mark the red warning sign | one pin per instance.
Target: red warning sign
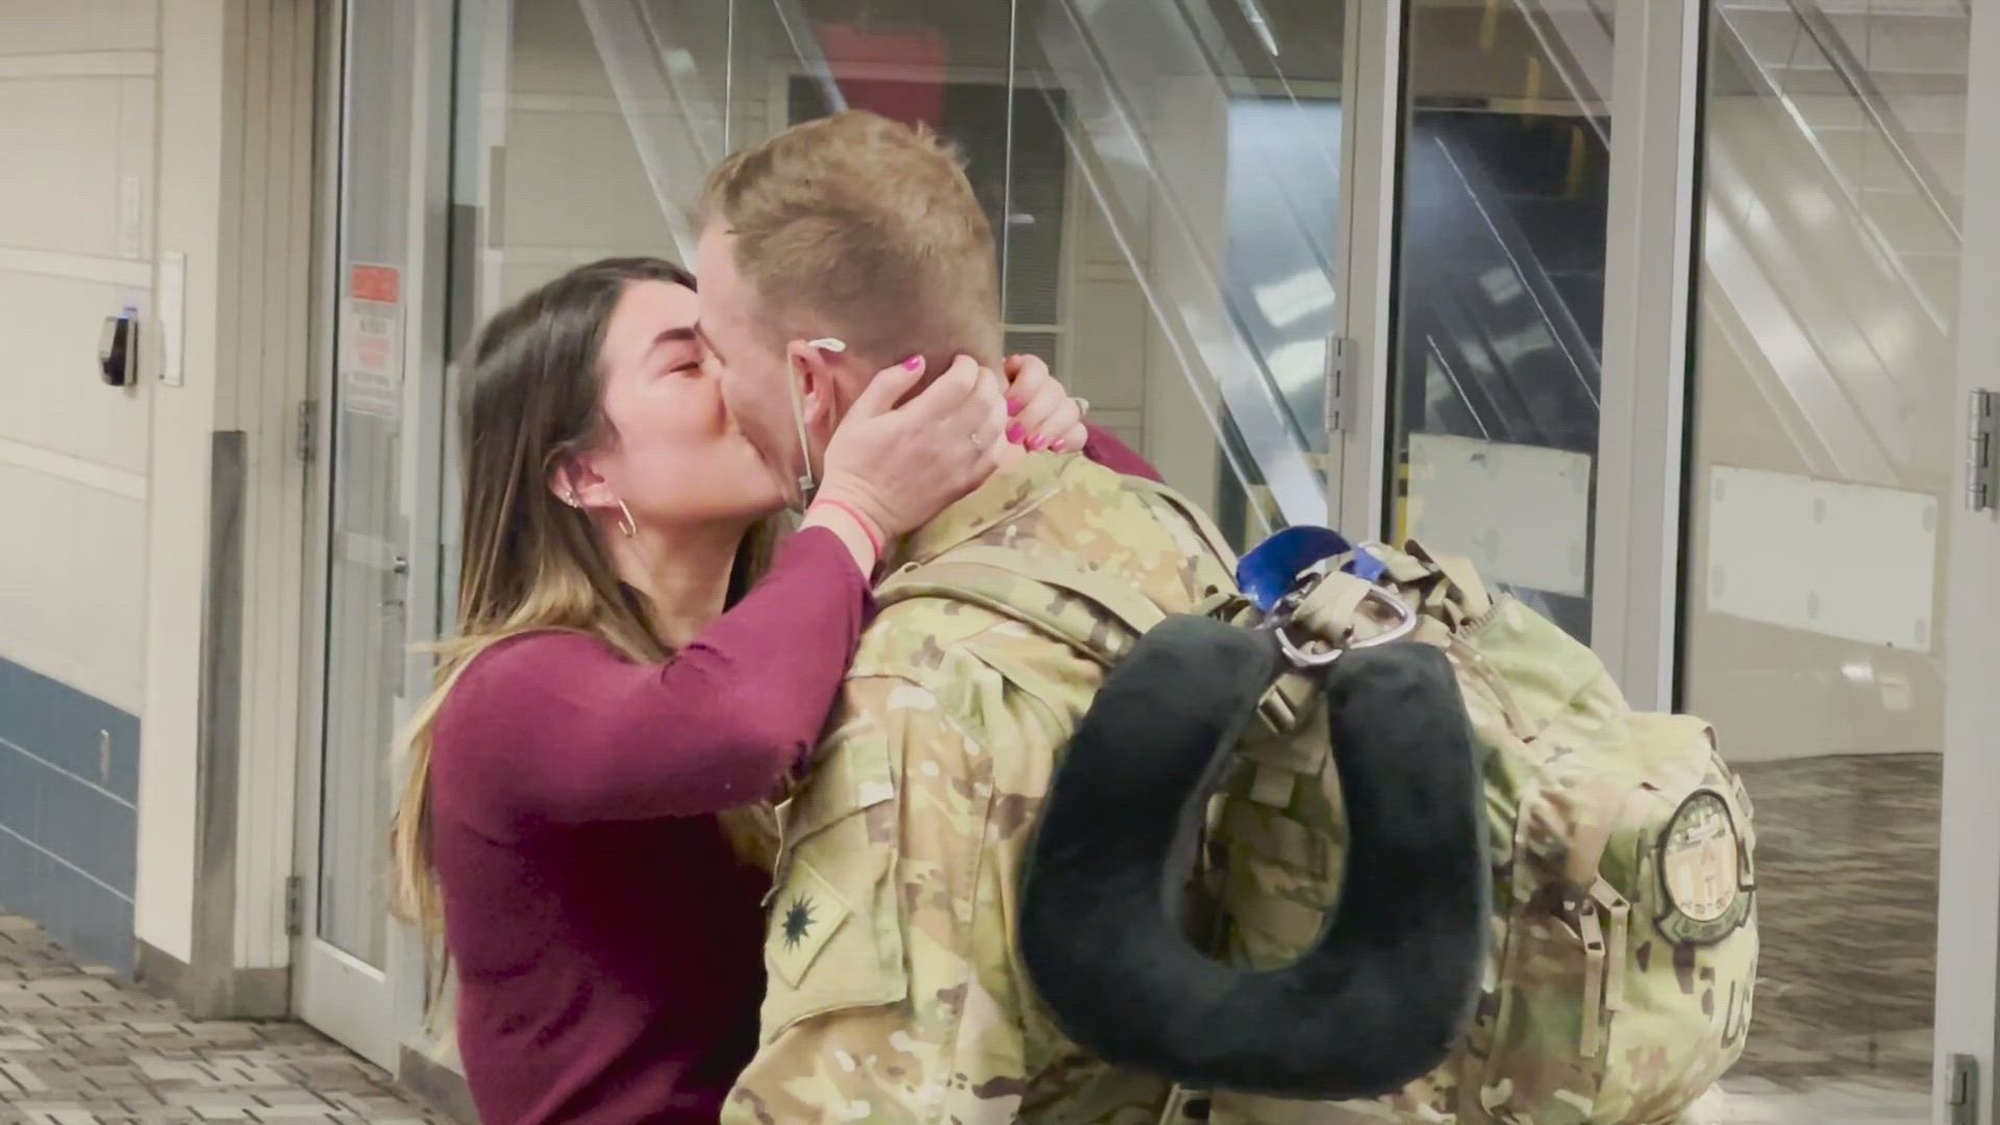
(383, 284)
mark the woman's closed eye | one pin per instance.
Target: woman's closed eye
(678, 351)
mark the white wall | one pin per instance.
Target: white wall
(76, 110)
(190, 204)
(78, 94)
(235, 200)
(134, 130)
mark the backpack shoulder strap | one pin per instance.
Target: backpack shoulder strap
(993, 579)
(1063, 603)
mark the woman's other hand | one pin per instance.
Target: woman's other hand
(1044, 415)
(896, 467)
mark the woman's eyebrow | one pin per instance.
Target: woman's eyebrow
(685, 335)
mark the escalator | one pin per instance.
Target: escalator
(1503, 278)
(1501, 338)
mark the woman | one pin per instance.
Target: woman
(582, 812)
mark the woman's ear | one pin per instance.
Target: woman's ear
(576, 482)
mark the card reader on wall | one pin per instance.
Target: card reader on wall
(118, 349)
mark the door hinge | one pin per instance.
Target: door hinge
(295, 906)
(1982, 453)
(306, 439)
(1961, 1090)
(1339, 384)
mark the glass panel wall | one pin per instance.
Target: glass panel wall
(1163, 181)
(1500, 322)
(1824, 453)
(368, 545)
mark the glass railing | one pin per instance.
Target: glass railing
(1800, 58)
(1834, 36)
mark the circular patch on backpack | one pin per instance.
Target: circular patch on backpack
(1701, 872)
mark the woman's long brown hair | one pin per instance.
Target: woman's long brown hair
(530, 562)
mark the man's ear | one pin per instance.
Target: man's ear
(816, 368)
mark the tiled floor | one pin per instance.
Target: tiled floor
(78, 1048)
(1753, 1101)
(1847, 853)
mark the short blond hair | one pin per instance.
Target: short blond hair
(868, 226)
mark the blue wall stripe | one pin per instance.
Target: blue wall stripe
(69, 825)
(69, 729)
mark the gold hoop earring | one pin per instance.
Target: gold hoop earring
(626, 524)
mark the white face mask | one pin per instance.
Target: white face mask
(808, 482)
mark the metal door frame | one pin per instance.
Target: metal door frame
(1968, 960)
(373, 1012)
(1371, 76)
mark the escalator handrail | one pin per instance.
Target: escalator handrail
(1853, 74)
(1842, 189)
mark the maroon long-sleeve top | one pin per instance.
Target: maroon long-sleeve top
(607, 942)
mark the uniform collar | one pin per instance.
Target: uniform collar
(1004, 497)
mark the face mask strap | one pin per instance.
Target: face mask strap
(807, 483)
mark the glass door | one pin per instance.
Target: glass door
(359, 975)
(1164, 182)
(1821, 607)
(1825, 397)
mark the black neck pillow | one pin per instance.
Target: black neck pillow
(1384, 995)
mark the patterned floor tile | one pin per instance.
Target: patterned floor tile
(78, 1048)
(1848, 857)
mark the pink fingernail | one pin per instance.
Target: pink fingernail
(1015, 433)
(1058, 445)
(914, 363)
(1038, 443)
(1014, 407)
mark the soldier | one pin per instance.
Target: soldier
(894, 991)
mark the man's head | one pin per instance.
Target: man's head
(853, 228)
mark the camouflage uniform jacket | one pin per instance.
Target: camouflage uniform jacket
(895, 993)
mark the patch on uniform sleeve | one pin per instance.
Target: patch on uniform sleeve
(1702, 879)
(805, 916)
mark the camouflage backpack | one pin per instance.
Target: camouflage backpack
(1624, 942)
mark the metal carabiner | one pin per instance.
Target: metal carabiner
(1305, 660)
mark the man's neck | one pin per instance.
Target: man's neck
(684, 575)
